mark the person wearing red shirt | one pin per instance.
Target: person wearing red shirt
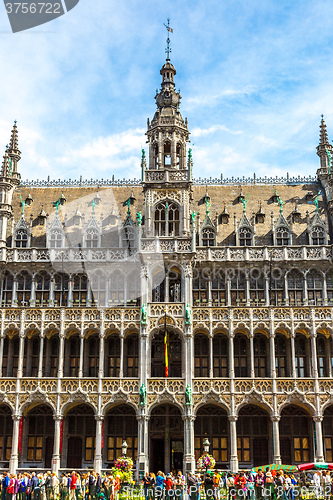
(72, 487)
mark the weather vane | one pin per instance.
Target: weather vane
(168, 48)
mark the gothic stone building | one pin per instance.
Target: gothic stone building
(93, 275)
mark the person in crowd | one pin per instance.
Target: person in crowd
(192, 484)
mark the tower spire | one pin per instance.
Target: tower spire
(168, 48)
(324, 151)
(323, 138)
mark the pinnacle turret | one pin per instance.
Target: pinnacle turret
(323, 138)
(12, 156)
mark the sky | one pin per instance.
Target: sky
(254, 78)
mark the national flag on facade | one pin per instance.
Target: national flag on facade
(170, 29)
(166, 340)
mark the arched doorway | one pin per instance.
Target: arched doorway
(295, 435)
(6, 433)
(38, 436)
(80, 429)
(212, 422)
(253, 431)
(166, 433)
(328, 433)
(120, 424)
(174, 350)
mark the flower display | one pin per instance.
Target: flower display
(124, 464)
(206, 461)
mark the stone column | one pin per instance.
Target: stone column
(267, 297)
(252, 375)
(14, 458)
(233, 443)
(61, 355)
(324, 290)
(319, 438)
(231, 355)
(2, 340)
(272, 351)
(21, 355)
(98, 448)
(286, 293)
(292, 344)
(247, 289)
(33, 293)
(211, 360)
(276, 439)
(81, 354)
(41, 353)
(189, 456)
(143, 443)
(228, 292)
(14, 292)
(305, 292)
(101, 354)
(121, 368)
(313, 337)
(56, 444)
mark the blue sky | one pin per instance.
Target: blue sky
(254, 78)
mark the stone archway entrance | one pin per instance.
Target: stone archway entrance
(166, 433)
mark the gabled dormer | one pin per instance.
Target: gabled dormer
(55, 236)
(245, 232)
(92, 233)
(22, 234)
(317, 230)
(281, 232)
(208, 233)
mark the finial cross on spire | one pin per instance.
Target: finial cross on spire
(168, 48)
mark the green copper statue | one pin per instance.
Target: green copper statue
(9, 167)
(23, 204)
(208, 205)
(143, 395)
(128, 202)
(193, 217)
(188, 395)
(188, 314)
(316, 201)
(139, 218)
(190, 154)
(244, 201)
(144, 314)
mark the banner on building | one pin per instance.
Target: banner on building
(61, 434)
(20, 435)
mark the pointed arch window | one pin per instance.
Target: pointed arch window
(201, 355)
(113, 356)
(24, 284)
(257, 286)
(245, 237)
(117, 289)
(314, 282)
(93, 355)
(98, 287)
(237, 286)
(7, 288)
(155, 156)
(21, 238)
(276, 285)
(295, 288)
(218, 288)
(301, 356)
(179, 156)
(200, 291)
(208, 237)
(281, 356)
(129, 238)
(80, 289)
(321, 356)
(167, 219)
(167, 154)
(92, 238)
(43, 282)
(260, 355)
(56, 238)
(282, 236)
(74, 355)
(318, 235)
(220, 355)
(241, 350)
(61, 282)
(131, 355)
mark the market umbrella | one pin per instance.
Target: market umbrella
(312, 465)
(283, 467)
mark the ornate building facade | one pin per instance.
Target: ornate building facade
(235, 276)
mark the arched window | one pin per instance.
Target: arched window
(158, 354)
(208, 237)
(43, 281)
(131, 355)
(295, 435)
(158, 286)
(81, 431)
(201, 355)
(295, 288)
(120, 424)
(241, 351)
(281, 366)
(245, 237)
(218, 289)
(21, 238)
(133, 289)
(7, 289)
(98, 288)
(318, 235)
(5, 357)
(212, 422)
(93, 356)
(321, 356)
(74, 355)
(252, 435)
(314, 281)
(179, 156)
(61, 289)
(39, 428)
(200, 289)
(155, 156)
(175, 280)
(167, 154)
(80, 289)
(276, 285)
(220, 356)
(6, 432)
(282, 236)
(257, 287)
(33, 346)
(52, 356)
(117, 289)
(56, 238)
(24, 283)
(113, 356)
(260, 356)
(237, 288)
(92, 238)
(301, 357)
(15, 357)
(167, 219)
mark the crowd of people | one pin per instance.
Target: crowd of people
(212, 486)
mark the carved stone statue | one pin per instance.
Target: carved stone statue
(188, 314)
(143, 395)
(188, 395)
(144, 314)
